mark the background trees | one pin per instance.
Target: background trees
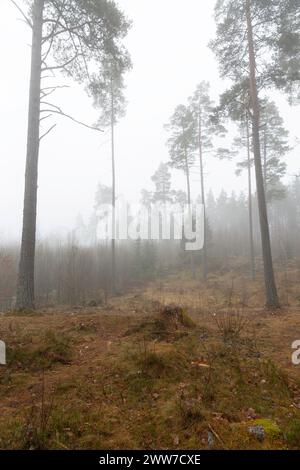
(108, 93)
(182, 142)
(162, 182)
(275, 146)
(202, 108)
(84, 41)
(73, 34)
(246, 31)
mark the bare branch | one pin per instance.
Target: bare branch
(50, 90)
(53, 105)
(45, 117)
(93, 128)
(27, 20)
(48, 131)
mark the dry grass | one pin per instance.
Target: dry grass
(163, 368)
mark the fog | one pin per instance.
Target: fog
(149, 279)
(170, 56)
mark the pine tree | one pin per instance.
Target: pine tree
(183, 142)
(73, 34)
(243, 141)
(274, 148)
(245, 29)
(108, 92)
(162, 181)
(202, 107)
(182, 148)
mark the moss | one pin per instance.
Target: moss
(271, 429)
(55, 348)
(292, 434)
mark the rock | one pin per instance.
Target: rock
(258, 432)
(210, 439)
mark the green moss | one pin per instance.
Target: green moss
(55, 348)
(271, 429)
(292, 435)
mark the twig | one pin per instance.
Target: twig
(27, 20)
(93, 128)
(217, 436)
(48, 132)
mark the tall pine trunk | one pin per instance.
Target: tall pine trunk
(270, 286)
(113, 240)
(250, 209)
(188, 184)
(265, 161)
(25, 287)
(202, 196)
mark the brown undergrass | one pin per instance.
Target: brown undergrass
(159, 369)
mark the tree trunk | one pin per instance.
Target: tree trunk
(252, 256)
(270, 286)
(25, 287)
(188, 184)
(265, 161)
(113, 241)
(202, 196)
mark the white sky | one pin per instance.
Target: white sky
(168, 44)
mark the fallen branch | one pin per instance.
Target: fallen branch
(217, 436)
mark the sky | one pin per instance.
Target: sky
(168, 44)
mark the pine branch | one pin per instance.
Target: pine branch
(62, 66)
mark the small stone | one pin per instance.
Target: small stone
(210, 439)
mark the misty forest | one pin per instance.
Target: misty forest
(137, 342)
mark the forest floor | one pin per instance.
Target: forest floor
(213, 369)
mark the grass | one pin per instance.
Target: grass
(51, 348)
(150, 375)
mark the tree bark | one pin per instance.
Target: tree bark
(270, 286)
(113, 241)
(250, 209)
(265, 161)
(25, 286)
(188, 183)
(202, 195)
